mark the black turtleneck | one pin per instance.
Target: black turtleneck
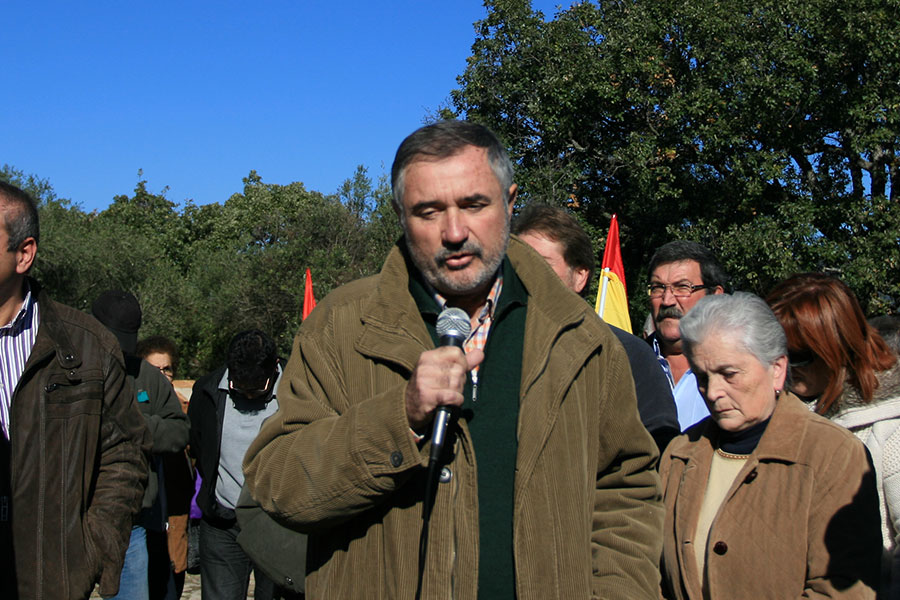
(744, 441)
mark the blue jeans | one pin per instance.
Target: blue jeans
(133, 584)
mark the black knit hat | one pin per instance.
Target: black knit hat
(120, 312)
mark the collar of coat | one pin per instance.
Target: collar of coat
(52, 337)
(782, 441)
(555, 316)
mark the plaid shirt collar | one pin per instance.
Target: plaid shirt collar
(478, 337)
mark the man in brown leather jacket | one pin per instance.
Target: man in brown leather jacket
(73, 454)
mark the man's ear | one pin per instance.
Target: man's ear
(579, 279)
(719, 290)
(511, 201)
(25, 254)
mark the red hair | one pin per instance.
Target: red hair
(822, 315)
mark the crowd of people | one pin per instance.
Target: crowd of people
(747, 448)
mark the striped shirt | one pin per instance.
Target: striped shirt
(16, 342)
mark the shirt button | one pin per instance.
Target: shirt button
(446, 475)
(720, 548)
(396, 458)
(750, 476)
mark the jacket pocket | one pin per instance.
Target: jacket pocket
(66, 398)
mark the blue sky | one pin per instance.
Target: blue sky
(196, 94)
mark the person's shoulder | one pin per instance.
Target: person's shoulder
(150, 376)
(210, 380)
(79, 325)
(637, 349)
(821, 436)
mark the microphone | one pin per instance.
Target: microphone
(453, 328)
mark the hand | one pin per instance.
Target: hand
(438, 379)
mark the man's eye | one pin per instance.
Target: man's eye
(681, 288)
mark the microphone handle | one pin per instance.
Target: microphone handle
(444, 414)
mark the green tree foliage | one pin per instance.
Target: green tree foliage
(203, 273)
(766, 130)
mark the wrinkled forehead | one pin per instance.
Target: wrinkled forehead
(676, 271)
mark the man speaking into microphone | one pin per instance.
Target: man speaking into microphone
(546, 486)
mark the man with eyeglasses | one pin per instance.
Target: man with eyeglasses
(681, 272)
(227, 408)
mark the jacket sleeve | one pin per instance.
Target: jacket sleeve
(168, 425)
(322, 459)
(844, 527)
(124, 454)
(197, 409)
(628, 511)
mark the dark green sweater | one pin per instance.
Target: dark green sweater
(492, 421)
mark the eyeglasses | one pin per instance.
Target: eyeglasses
(800, 358)
(250, 394)
(679, 290)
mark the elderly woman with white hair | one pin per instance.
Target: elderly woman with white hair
(764, 499)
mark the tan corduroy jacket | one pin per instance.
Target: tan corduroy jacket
(338, 459)
(801, 519)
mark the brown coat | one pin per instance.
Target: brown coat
(800, 520)
(338, 459)
(78, 459)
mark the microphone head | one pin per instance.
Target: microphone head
(454, 323)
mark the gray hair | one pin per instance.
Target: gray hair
(744, 315)
(443, 140)
(20, 215)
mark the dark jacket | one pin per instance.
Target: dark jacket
(338, 459)
(656, 404)
(167, 423)
(76, 463)
(206, 412)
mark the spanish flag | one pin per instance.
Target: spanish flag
(612, 300)
(309, 301)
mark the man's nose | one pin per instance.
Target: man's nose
(455, 229)
(668, 296)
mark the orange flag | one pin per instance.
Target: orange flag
(612, 300)
(309, 301)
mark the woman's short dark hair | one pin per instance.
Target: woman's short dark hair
(158, 344)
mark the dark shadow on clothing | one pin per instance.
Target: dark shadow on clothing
(853, 538)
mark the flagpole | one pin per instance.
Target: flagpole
(605, 278)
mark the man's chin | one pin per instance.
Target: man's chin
(667, 331)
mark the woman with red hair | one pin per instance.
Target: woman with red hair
(845, 371)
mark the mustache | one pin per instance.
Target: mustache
(669, 312)
(444, 254)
